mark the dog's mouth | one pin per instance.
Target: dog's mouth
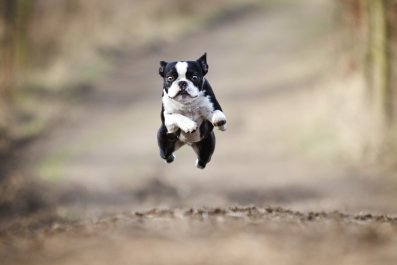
(184, 94)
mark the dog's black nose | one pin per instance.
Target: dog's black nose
(182, 85)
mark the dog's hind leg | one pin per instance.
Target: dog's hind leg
(204, 150)
(168, 144)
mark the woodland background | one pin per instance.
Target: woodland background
(305, 173)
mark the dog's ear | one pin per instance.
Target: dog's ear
(203, 63)
(162, 68)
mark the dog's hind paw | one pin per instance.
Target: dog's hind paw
(170, 159)
(200, 164)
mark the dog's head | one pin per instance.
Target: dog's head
(183, 80)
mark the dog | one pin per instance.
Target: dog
(189, 112)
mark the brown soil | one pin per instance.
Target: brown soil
(210, 236)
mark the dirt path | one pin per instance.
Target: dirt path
(267, 70)
(211, 236)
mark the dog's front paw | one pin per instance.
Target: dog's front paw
(171, 128)
(219, 120)
(188, 126)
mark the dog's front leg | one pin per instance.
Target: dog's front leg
(176, 120)
(170, 123)
(218, 119)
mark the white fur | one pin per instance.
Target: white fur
(173, 90)
(175, 120)
(181, 68)
(189, 116)
(188, 138)
(218, 117)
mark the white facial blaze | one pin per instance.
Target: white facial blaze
(181, 68)
(174, 89)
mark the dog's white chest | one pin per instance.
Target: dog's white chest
(196, 110)
(196, 114)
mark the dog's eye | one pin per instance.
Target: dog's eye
(194, 77)
(170, 78)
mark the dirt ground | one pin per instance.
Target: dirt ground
(108, 197)
(211, 236)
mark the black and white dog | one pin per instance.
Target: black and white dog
(189, 110)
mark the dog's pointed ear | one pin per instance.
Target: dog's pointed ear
(203, 63)
(162, 68)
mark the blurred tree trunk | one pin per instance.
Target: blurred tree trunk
(13, 35)
(372, 30)
(391, 13)
(378, 63)
(7, 63)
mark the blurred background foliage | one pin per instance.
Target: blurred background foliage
(52, 49)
